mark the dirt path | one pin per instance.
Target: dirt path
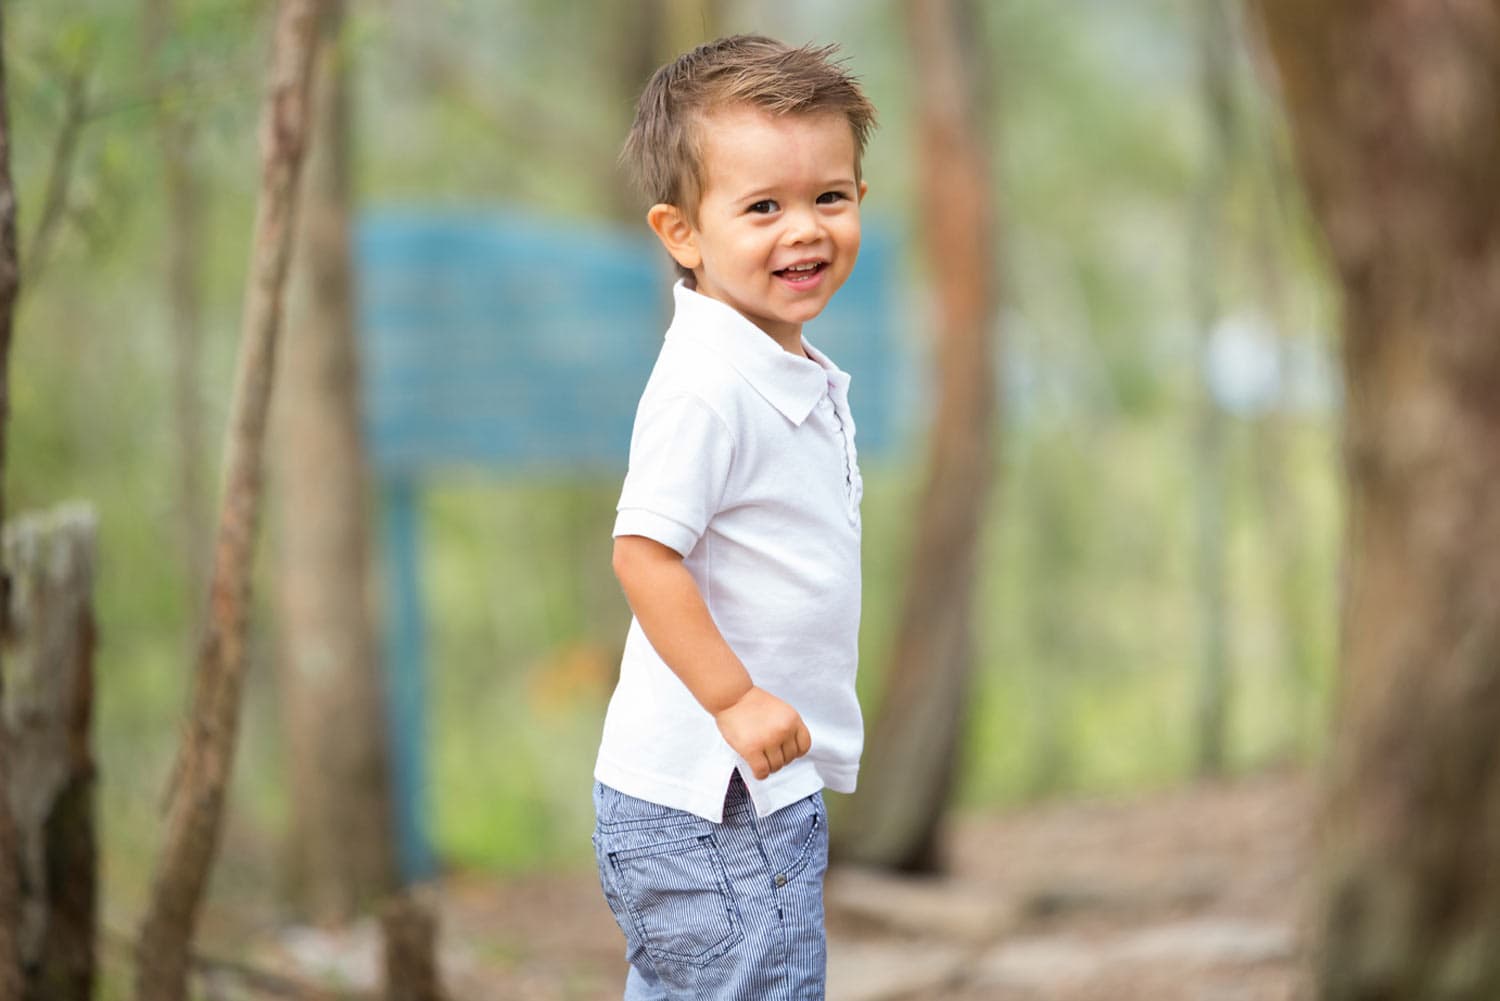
(1190, 895)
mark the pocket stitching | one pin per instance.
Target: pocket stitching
(805, 854)
(731, 938)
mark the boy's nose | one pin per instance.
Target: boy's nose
(802, 226)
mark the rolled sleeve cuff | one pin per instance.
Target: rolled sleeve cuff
(672, 534)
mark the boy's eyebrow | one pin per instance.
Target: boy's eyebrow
(768, 191)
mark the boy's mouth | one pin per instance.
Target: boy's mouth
(804, 272)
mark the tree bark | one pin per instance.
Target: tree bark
(10, 286)
(341, 852)
(910, 757)
(206, 753)
(49, 674)
(1393, 111)
(184, 245)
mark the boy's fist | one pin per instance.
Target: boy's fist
(765, 731)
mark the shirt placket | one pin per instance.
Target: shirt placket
(838, 407)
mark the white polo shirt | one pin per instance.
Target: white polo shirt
(742, 459)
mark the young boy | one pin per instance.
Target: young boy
(738, 533)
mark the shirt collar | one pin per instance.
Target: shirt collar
(791, 384)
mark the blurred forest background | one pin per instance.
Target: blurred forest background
(1166, 515)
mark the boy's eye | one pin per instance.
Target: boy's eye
(829, 197)
(763, 206)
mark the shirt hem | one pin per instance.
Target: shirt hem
(768, 795)
(665, 791)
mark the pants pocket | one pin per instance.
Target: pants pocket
(803, 829)
(678, 900)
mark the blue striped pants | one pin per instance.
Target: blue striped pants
(716, 912)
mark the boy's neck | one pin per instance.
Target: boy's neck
(789, 340)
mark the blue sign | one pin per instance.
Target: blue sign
(506, 341)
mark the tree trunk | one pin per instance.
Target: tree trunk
(54, 200)
(1214, 68)
(1393, 112)
(184, 246)
(206, 753)
(1301, 617)
(910, 756)
(342, 855)
(49, 675)
(636, 38)
(10, 286)
(689, 24)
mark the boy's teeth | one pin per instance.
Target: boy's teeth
(801, 267)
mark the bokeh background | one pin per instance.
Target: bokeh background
(1169, 400)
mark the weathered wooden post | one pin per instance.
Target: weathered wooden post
(49, 684)
(409, 928)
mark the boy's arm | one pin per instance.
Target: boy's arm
(765, 731)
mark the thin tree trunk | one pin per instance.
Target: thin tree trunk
(690, 23)
(1056, 526)
(184, 246)
(206, 753)
(637, 33)
(10, 286)
(54, 201)
(1300, 622)
(910, 757)
(1215, 66)
(342, 852)
(642, 36)
(1393, 111)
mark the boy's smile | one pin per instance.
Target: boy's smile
(777, 227)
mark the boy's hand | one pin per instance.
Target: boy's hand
(765, 731)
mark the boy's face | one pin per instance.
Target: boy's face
(778, 224)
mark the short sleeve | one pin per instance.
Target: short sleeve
(680, 455)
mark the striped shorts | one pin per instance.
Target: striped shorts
(716, 912)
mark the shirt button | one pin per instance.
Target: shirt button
(780, 879)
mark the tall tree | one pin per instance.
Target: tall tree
(341, 849)
(639, 37)
(1215, 69)
(183, 251)
(911, 755)
(10, 285)
(1301, 607)
(206, 754)
(690, 23)
(1393, 108)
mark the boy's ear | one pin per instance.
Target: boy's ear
(863, 187)
(671, 227)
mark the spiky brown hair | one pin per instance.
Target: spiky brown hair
(664, 150)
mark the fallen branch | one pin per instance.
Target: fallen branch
(248, 975)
